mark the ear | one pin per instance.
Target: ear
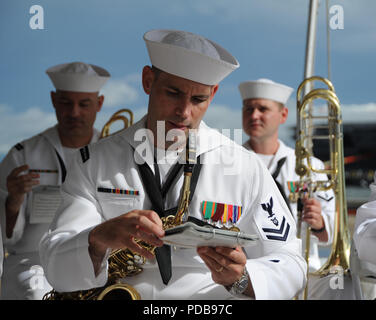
(284, 113)
(100, 102)
(214, 91)
(147, 79)
(53, 98)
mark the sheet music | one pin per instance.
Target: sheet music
(46, 200)
(189, 235)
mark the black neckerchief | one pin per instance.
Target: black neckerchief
(157, 195)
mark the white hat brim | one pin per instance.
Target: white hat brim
(78, 82)
(265, 90)
(188, 64)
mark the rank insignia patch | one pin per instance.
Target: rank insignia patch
(325, 197)
(281, 228)
(279, 234)
(221, 212)
(268, 207)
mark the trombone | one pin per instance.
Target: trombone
(340, 252)
(117, 116)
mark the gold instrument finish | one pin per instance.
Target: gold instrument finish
(117, 116)
(340, 252)
(190, 161)
(123, 263)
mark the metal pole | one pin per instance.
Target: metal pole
(309, 63)
(311, 39)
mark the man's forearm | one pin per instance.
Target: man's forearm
(96, 252)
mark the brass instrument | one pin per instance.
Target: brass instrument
(117, 116)
(123, 262)
(340, 252)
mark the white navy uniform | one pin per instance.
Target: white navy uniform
(364, 239)
(365, 231)
(287, 174)
(372, 187)
(23, 276)
(230, 175)
(365, 228)
(318, 288)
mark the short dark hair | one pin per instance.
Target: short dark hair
(156, 71)
(281, 105)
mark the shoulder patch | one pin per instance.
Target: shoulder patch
(85, 154)
(280, 233)
(272, 222)
(19, 146)
(326, 197)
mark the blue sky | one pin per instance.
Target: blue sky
(266, 36)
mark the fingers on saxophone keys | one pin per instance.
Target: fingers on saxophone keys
(140, 250)
(150, 224)
(149, 238)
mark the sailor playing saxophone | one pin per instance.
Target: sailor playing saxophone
(116, 192)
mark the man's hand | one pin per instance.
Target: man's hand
(18, 185)
(121, 232)
(312, 215)
(226, 265)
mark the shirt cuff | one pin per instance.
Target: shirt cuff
(86, 264)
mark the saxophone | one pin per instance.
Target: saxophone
(123, 263)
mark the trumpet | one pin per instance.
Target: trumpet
(117, 116)
(340, 252)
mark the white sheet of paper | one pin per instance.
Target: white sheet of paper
(46, 200)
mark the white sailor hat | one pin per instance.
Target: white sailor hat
(265, 89)
(189, 56)
(78, 77)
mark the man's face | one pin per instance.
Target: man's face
(262, 117)
(76, 111)
(179, 102)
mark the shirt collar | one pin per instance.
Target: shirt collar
(207, 139)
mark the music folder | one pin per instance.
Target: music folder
(190, 235)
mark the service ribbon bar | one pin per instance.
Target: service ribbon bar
(119, 191)
(221, 211)
(43, 171)
(293, 186)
